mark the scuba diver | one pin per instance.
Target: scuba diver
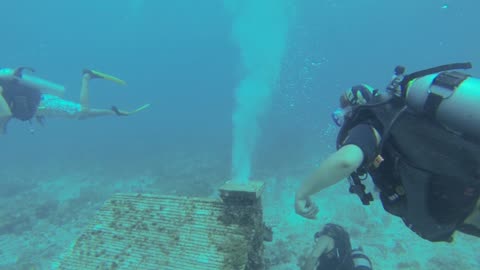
(419, 140)
(333, 251)
(25, 97)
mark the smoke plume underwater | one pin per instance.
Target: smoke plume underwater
(260, 29)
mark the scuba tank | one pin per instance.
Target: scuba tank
(451, 98)
(448, 97)
(360, 260)
(8, 75)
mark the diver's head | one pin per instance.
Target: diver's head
(356, 95)
(331, 230)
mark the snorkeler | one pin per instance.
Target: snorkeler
(26, 97)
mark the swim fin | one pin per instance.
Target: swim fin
(101, 75)
(127, 113)
(141, 108)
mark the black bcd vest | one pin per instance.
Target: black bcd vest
(430, 175)
(22, 100)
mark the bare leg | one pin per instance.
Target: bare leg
(92, 113)
(86, 111)
(85, 91)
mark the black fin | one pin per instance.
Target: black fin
(118, 112)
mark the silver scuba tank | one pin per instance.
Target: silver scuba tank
(47, 87)
(360, 260)
(451, 98)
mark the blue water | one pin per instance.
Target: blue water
(182, 57)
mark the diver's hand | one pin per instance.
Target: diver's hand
(306, 208)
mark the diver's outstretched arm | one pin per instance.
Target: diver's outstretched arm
(5, 112)
(335, 168)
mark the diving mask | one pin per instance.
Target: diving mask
(339, 115)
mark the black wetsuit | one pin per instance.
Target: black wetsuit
(339, 257)
(448, 200)
(23, 101)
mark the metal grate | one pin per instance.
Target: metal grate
(134, 231)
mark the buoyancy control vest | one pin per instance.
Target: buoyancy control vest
(433, 152)
(23, 101)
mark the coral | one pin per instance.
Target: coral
(46, 209)
(12, 223)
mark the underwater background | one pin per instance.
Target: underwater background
(238, 89)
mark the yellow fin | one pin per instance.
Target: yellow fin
(141, 108)
(108, 77)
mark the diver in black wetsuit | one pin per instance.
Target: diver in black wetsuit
(420, 142)
(333, 251)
